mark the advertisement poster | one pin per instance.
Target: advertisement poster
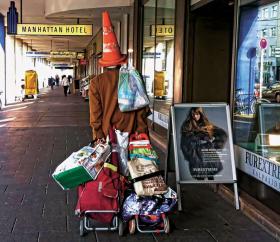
(203, 143)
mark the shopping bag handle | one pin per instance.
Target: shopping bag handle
(146, 176)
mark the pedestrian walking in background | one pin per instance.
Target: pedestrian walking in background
(70, 82)
(51, 82)
(65, 84)
(56, 80)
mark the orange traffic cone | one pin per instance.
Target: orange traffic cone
(111, 55)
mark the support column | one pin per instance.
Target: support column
(10, 69)
(2, 60)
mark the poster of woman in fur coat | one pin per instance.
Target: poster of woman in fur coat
(203, 145)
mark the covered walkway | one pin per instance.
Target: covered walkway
(35, 136)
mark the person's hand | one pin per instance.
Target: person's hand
(91, 144)
(100, 141)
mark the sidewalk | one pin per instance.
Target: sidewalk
(36, 136)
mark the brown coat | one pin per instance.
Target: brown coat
(104, 108)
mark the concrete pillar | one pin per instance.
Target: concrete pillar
(2, 60)
(10, 69)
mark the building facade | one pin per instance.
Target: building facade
(201, 51)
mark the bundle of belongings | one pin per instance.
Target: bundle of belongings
(150, 197)
(148, 205)
(142, 167)
(81, 166)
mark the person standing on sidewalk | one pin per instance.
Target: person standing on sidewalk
(70, 83)
(65, 84)
(56, 80)
(103, 92)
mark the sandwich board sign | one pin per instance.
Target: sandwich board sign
(202, 145)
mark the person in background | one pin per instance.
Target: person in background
(56, 80)
(65, 84)
(70, 82)
(103, 92)
(51, 82)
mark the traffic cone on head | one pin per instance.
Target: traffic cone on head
(111, 55)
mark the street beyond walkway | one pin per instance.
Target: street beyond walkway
(35, 136)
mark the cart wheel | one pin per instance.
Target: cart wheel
(121, 227)
(82, 229)
(132, 226)
(166, 225)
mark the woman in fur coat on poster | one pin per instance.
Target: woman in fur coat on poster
(200, 144)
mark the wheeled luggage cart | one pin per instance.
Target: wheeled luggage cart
(100, 199)
(151, 224)
(148, 214)
(116, 225)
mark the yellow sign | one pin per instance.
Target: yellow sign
(162, 30)
(63, 54)
(80, 55)
(31, 83)
(54, 29)
(159, 83)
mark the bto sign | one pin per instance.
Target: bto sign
(54, 29)
(162, 30)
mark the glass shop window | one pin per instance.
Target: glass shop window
(256, 110)
(158, 56)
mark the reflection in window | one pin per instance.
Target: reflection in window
(158, 54)
(272, 50)
(258, 81)
(273, 32)
(265, 13)
(274, 11)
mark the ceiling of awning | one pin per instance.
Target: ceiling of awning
(34, 12)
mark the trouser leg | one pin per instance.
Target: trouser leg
(65, 90)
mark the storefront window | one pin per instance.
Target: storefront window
(256, 105)
(158, 56)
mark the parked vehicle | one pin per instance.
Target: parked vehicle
(270, 92)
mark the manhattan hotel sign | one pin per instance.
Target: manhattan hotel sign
(55, 29)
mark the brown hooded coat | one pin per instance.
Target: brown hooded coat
(104, 108)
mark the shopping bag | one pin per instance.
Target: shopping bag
(140, 147)
(122, 148)
(146, 177)
(131, 90)
(81, 166)
(151, 205)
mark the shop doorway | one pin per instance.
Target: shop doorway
(210, 52)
